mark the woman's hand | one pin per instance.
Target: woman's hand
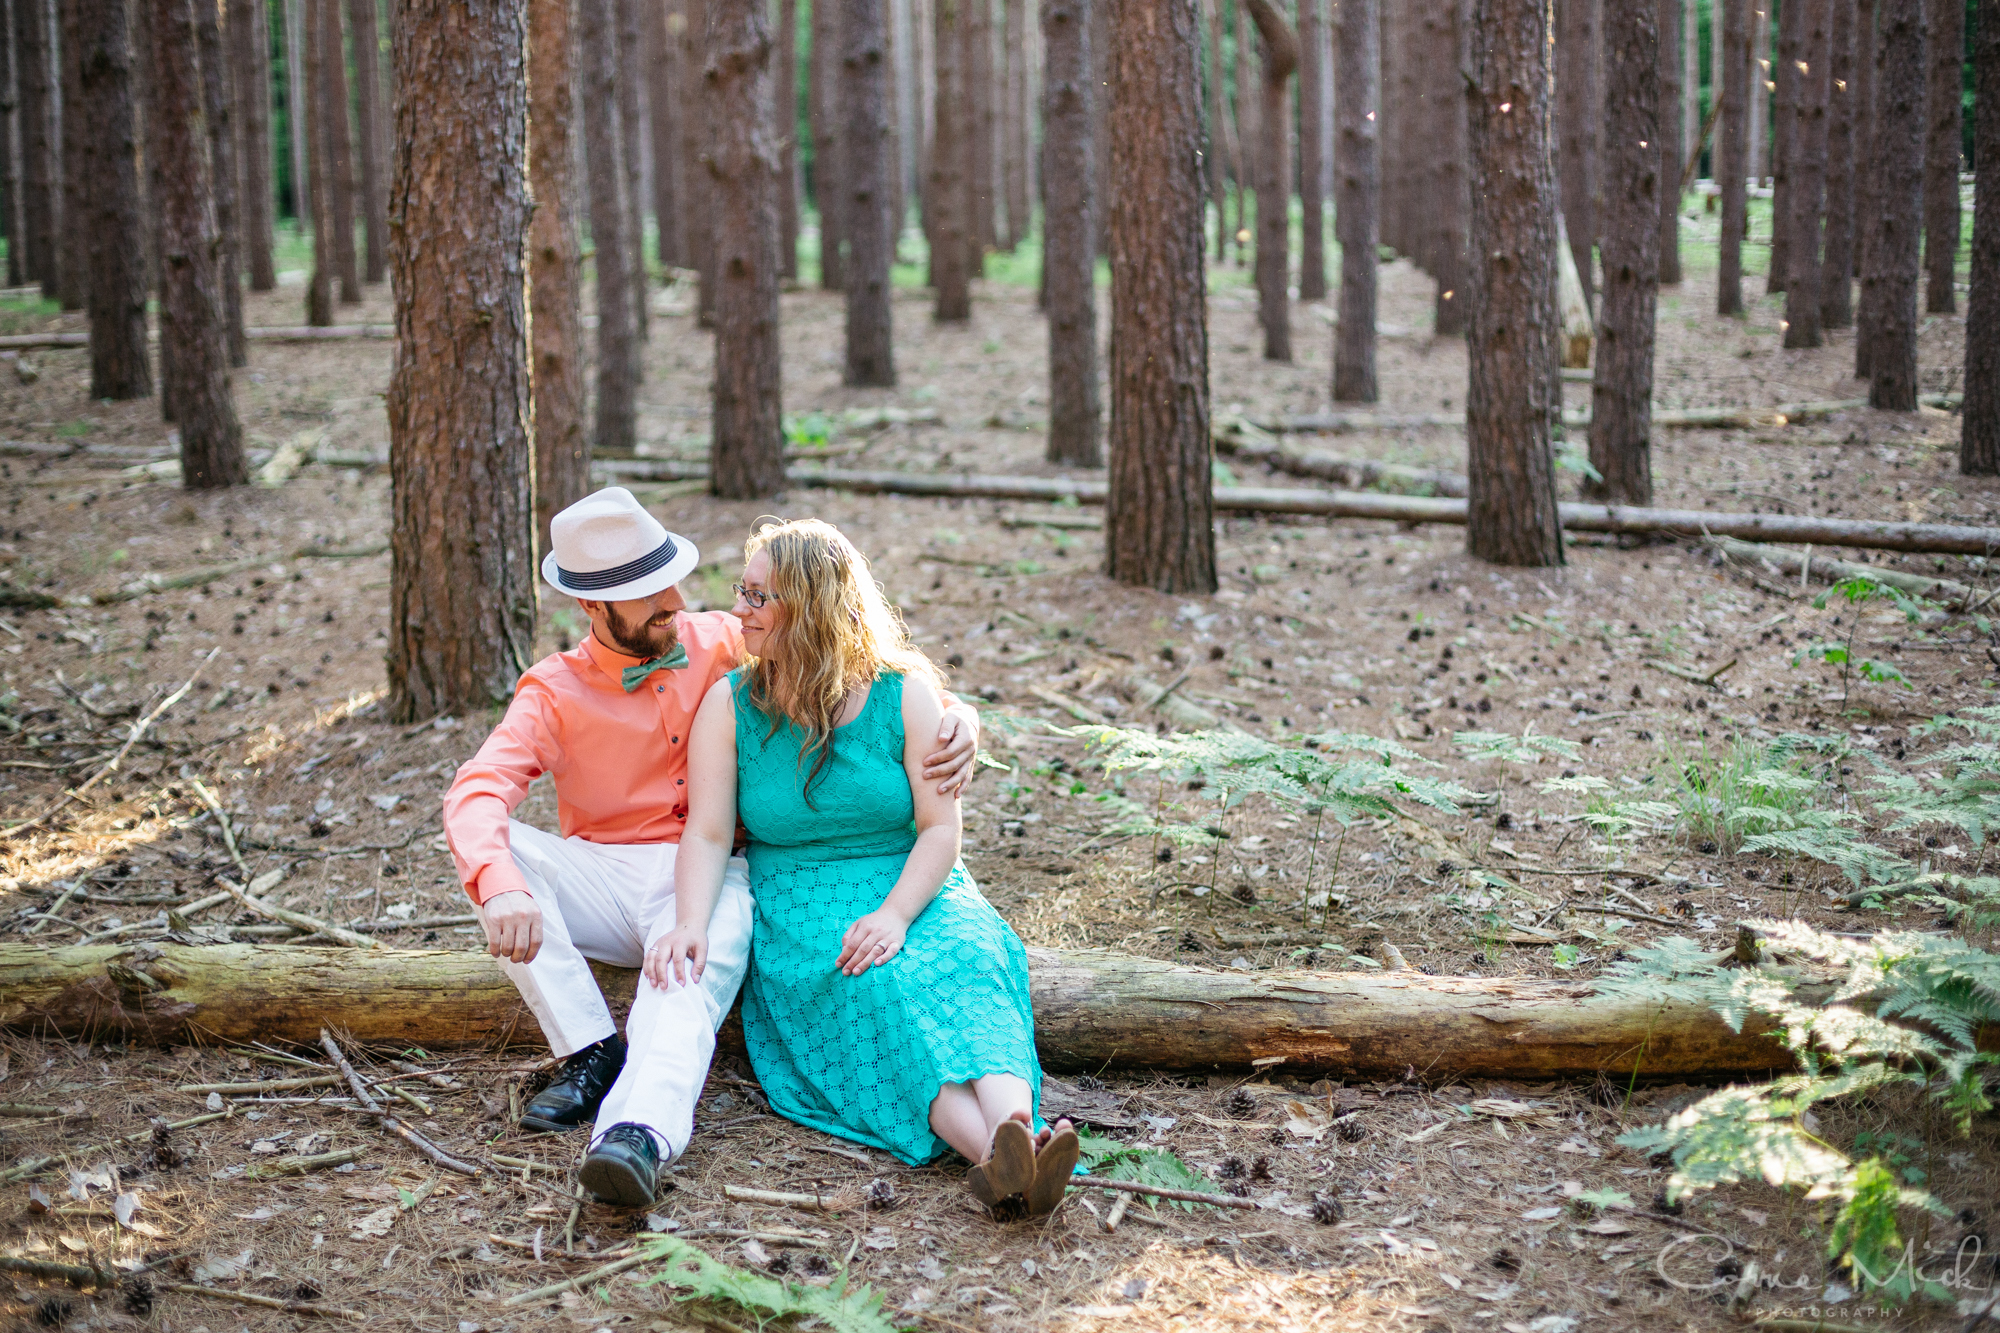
(678, 957)
(871, 941)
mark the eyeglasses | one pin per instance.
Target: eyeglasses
(755, 598)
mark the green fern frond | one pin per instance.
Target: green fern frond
(706, 1278)
(1527, 748)
(1154, 1166)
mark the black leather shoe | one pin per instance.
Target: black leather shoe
(574, 1097)
(624, 1167)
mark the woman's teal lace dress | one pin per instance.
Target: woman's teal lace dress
(863, 1057)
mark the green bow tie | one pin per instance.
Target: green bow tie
(672, 660)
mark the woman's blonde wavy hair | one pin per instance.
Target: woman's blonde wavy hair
(835, 630)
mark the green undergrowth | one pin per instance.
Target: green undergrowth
(835, 1306)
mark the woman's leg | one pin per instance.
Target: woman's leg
(1008, 1097)
(956, 1118)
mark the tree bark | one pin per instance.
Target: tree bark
(697, 211)
(1836, 269)
(1579, 117)
(1069, 247)
(663, 109)
(1889, 287)
(338, 138)
(1014, 121)
(319, 188)
(865, 165)
(1220, 153)
(1312, 153)
(947, 198)
(1160, 528)
(41, 183)
(983, 99)
(1867, 198)
(1357, 193)
(119, 364)
(1979, 429)
(298, 80)
(555, 265)
(1673, 143)
(1274, 178)
(369, 137)
(1762, 92)
(191, 313)
(618, 365)
(461, 451)
(1942, 151)
(1812, 85)
(747, 446)
(250, 67)
(1248, 139)
(10, 159)
(1454, 197)
(828, 184)
(73, 289)
(632, 155)
(1784, 130)
(1511, 402)
(1621, 396)
(218, 97)
(1732, 153)
(785, 124)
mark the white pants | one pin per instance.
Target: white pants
(609, 903)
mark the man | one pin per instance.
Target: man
(609, 723)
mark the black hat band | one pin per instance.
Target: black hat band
(658, 558)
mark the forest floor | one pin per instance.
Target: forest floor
(1347, 625)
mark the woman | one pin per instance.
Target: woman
(887, 1002)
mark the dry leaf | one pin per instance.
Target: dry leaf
(1608, 1226)
(1577, 1146)
(1305, 1121)
(1757, 1216)
(377, 1223)
(222, 1268)
(72, 1244)
(880, 1239)
(38, 1202)
(1450, 1280)
(264, 1146)
(1541, 1214)
(755, 1252)
(1501, 1106)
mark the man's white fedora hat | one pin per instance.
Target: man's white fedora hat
(607, 548)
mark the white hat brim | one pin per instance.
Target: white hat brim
(686, 557)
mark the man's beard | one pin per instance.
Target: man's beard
(636, 640)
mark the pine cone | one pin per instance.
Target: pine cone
(1231, 1169)
(1326, 1210)
(882, 1196)
(138, 1296)
(1276, 1138)
(1190, 942)
(1260, 1170)
(1350, 1129)
(1237, 1188)
(782, 1263)
(817, 1265)
(1241, 1103)
(1085, 1083)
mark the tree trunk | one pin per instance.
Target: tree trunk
(1762, 91)
(1867, 198)
(1248, 140)
(1454, 197)
(250, 65)
(1091, 1010)
(1511, 401)
(1069, 246)
(1673, 143)
(461, 451)
(1160, 529)
(1942, 150)
(298, 81)
(1100, 195)
(336, 135)
(984, 100)
(865, 168)
(785, 125)
(319, 190)
(1220, 152)
(1621, 395)
(218, 97)
(1806, 174)
(1357, 193)
(632, 155)
(618, 366)
(555, 266)
(1836, 270)
(1784, 131)
(41, 183)
(1889, 288)
(947, 198)
(747, 443)
(1979, 429)
(1389, 56)
(10, 159)
(663, 108)
(1014, 121)
(1579, 117)
(828, 184)
(191, 311)
(1732, 153)
(73, 289)
(370, 140)
(697, 210)
(1312, 154)
(115, 225)
(1274, 178)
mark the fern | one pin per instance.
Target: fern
(844, 1311)
(1527, 748)
(1152, 1166)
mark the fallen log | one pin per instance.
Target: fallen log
(1091, 1010)
(276, 334)
(1682, 418)
(1366, 473)
(1948, 593)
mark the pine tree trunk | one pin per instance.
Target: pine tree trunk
(1836, 269)
(1069, 248)
(864, 97)
(985, 102)
(1621, 412)
(1579, 116)
(663, 109)
(785, 112)
(697, 210)
(1248, 140)
(555, 266)
(1867, 197)
(1357, 193)
(1945, 41)
(41, 183)
(947, 197)
(747, 445)
(370, 141)
(1784, 128)
(1889, 287)
(1274, 180)
(618, 366)
(319, 189)
(1979, 430)
(1454, 197)
(10, 159)
(1511, 400)
(73, 289)
(1673, 144)
(1389, 58)
(461, 449)
(191, 313)
(828, 182)
(119, 366)
(1312, 154)
(1100, 195)
(298, 81)
(250, 64)
(1013, 85)
(1220, 153)
(632, 153)
(1811, 87)
(1762, 92)
(1732, 153)
(1159, 528)
(337, 136)
(218, 97)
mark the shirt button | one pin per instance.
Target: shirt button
(675, 740)
(659, 689)
(680, 782)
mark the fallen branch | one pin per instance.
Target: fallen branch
(387, 1121)
(262, 333)
(1689, 674)
(1160, 1192)
(24, 1111)
(37, 1165)
(524, 1164)
(578, 1282)
(149, 584)
(846, 1201)
(299, 1166)
(265, 1085)
(77, 1275)
(1948, 593)
(1685, 418)
(263, 1302)
(1237, 438)
(300, 920)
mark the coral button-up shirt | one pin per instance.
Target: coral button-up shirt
(619, 760)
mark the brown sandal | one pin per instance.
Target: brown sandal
(1010, 1167)
(1054, 1165)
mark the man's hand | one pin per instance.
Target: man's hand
(952, 764)
(513, 926)
(677, 957)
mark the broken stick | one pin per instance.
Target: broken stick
(1160, 1192)
(389, 1122)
